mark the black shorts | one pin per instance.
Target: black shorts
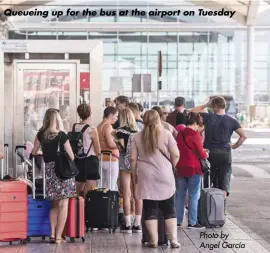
(88, 169)
(221, 169)
(152, 207)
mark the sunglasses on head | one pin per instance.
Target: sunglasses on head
(54, 109)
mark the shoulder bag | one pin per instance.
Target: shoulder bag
(64, 168)
(205, 165)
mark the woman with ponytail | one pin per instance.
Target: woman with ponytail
(153, 154)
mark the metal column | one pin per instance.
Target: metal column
(250, 67)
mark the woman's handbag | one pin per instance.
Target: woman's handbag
(205, 164)
(64, 168)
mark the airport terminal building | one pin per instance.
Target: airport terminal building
(63, 52)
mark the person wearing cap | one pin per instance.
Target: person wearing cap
(165, 110)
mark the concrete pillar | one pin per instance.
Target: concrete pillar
(250, 67)
(238, 68)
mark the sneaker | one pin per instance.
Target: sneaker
(196, 226)
(126, 230)
(95, 229)
(136, 229)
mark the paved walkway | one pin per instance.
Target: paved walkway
(192, 242)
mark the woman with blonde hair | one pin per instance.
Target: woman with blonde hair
(153, 154)
(58, 191)
(127, 127)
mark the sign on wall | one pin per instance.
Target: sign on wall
(141, 81)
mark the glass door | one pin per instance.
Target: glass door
(38, 87)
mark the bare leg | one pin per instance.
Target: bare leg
(80, 186)
(53, 218)
(61, 219)
(152, 227)
(125, 185)
(138, 206)
(89, 186)
(132, 200)
(171, 225)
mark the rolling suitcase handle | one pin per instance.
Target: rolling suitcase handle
(34, 178)
(105, 152)
(6, 158)
(209, 179)
(2, 168)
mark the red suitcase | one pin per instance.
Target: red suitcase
(13, 211)
(75, 220)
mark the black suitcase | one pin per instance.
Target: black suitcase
(101, 205)
(163, 237)
(211, 206)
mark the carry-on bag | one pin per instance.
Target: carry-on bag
(163, 236)
(211, 206)
(13, 211)
(38, 210)
(101, 209)
(75, 220)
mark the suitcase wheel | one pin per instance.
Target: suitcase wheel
(10, 243)
(110, 230)
(221, 225)
(83, 239)
(143, 241)
(72, 239)
(114, 230)
(28, 239)
(24, 241)
(43, 238)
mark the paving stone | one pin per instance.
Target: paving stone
(234, 234)
(250, 246)
(215, 245)
(191, 242)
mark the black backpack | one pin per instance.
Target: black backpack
(76, 142)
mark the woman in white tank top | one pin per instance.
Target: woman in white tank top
(89, 166)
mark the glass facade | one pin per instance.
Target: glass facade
(195, 64)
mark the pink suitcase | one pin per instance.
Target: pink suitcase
(13, 211)
(75, 221)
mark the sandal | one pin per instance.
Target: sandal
(152, 245)
(59, 240)
(175, 245)
(52, 239)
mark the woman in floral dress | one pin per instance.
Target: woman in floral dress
(57, 191)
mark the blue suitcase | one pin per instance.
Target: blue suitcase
(38, 211)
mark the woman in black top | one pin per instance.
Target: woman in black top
(127, 127)
(57, 191)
